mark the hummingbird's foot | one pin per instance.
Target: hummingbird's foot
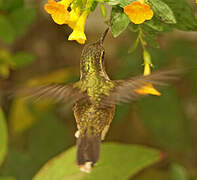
(87, 167)
(77, 134)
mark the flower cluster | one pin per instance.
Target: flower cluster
(138, 11)
(75, 18)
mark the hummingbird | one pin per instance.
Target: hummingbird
(94, 97)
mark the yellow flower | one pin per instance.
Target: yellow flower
(78, 31)
(58, 10)
(148, 87)
(138, 12)
(73, 17)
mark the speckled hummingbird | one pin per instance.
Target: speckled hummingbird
(95, 97)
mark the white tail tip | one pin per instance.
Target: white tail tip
(87, 167)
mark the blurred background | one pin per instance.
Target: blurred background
(34, 50)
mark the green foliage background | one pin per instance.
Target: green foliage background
(34, 50)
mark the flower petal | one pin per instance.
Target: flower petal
(60, 18)
(73, 17)
(79, 36)
(78, 31)
(58, 11)
(138, 12)
(148, 89)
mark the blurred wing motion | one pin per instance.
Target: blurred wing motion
(55, 92)
(125, 90)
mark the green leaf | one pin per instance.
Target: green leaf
(166, 120)
(6, 31)
(152, 41)
(177, 172)
(3, 137)
(163, 11)
(121, 3)
(184, 15)
(117, 161)
(157, 25)
(21, 19)
(103, 10)
(22, 59)
(118, 21)
(124, 3)
(133, 27)
(150, 36)
(94, 5)
(110, 2)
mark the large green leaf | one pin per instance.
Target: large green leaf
(184, 15)
(6, 30)
(46, 138)
(3, 137)
(119, 21)
(165, 119)
(117, 161)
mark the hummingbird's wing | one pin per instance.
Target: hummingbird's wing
(125, 90)
(54, 92)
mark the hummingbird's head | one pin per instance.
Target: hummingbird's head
(95, 49)
(92, 59)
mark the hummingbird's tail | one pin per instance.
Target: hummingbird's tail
(88, 149)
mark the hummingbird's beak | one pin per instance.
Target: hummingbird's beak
(103, 36)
